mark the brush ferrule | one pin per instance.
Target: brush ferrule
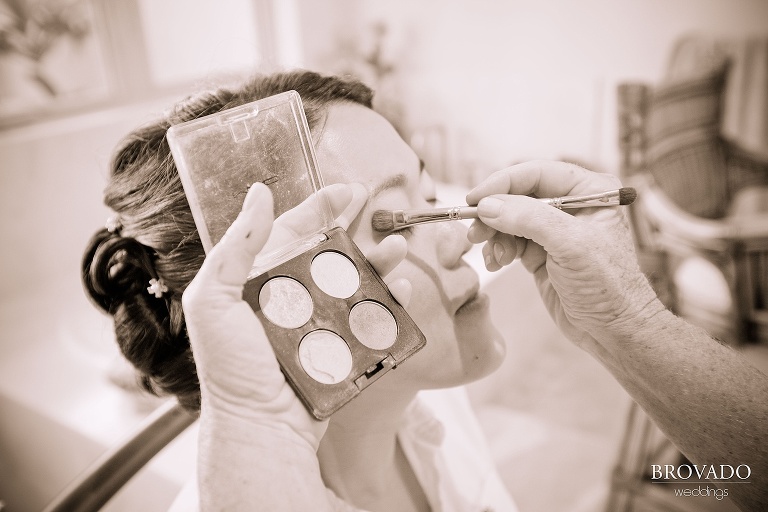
(454, 213)
(404, 218)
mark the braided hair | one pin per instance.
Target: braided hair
(157, 238)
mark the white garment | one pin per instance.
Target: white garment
(446, 448)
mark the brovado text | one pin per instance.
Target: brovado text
(724, 472)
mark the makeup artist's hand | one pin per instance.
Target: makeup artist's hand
(239, 375)
(707, 398)
(584, 263)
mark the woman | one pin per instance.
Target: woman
(392, 448)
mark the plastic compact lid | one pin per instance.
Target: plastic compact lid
(221, 155)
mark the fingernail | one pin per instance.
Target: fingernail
(490, 207)
(471, 233)
(488, 259)
(498, 252)
(252, 195)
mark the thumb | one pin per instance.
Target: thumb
(348, 206)
(529, 218)
(345, 202)
(230, 261)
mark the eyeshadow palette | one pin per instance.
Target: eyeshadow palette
(331, 320)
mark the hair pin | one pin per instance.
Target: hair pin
(157, 288)
(113, 224)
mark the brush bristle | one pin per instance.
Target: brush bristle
(627, 195)
(382, 221)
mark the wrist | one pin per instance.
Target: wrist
(227, 426)
(262, 462)
(649, 321)
(641, 313)
(282, 412)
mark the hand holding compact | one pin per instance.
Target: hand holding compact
(584, 263)
(239, 375)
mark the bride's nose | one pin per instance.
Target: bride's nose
(452, 243)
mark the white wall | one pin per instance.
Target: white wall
(521, 79)
(53, 176)
(191, 39)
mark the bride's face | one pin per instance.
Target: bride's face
(355, 144)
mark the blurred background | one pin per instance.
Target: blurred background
(668, 94)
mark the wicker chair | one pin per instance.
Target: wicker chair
(701, 218)
(701, 233)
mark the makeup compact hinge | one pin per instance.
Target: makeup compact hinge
(237, 121)
(374, 372)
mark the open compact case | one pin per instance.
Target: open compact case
(331, 320)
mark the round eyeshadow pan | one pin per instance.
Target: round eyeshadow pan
(285, 302)
(335, 274)
(373, 325)
(325, 356)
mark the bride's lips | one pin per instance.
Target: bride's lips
(471, 300)
(479, 301)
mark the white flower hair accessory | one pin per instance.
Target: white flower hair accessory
(113, 224)
(157, 288)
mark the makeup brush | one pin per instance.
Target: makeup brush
(392, 220)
